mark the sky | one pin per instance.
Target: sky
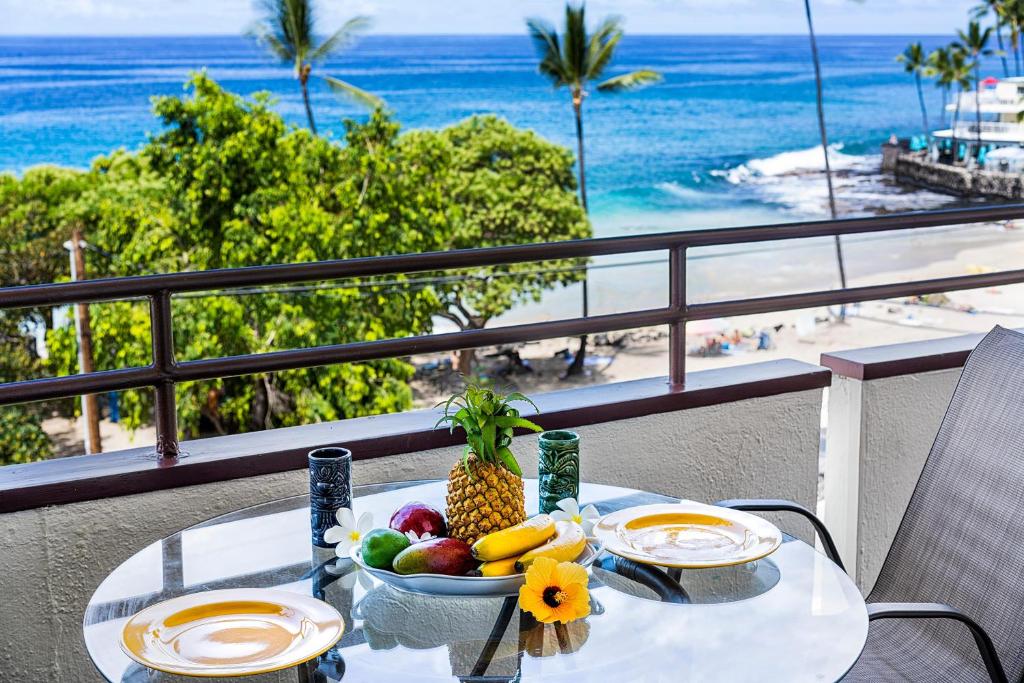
(201, 17)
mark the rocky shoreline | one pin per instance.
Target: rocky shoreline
(914, 168)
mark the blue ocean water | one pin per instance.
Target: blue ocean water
(730, 137)
(725, 101)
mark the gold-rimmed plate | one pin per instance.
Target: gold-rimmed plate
(687, 535)
(233, 632)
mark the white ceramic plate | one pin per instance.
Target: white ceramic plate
(440, 584)
(233, 632)
(687, 535)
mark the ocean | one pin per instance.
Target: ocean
(729, 137)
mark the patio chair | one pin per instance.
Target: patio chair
(948, 604)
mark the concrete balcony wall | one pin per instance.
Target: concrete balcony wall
(52, 558)
(884, 410)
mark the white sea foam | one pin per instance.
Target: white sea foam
(796, 162)
(796, 181)
(683, 192)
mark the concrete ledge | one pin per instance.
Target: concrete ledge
(910, 358)
(106, 475)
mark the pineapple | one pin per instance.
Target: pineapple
(485, 489)
(483, 497)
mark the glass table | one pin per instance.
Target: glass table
(794, 616)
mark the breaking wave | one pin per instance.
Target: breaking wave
(796, 181)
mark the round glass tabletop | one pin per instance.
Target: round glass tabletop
(793, 616)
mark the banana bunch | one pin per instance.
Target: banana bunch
(512, 550)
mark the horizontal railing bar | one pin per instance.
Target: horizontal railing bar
(49, 388)
(148, 285)
(292, 359)
(135, 378)
(834, 297)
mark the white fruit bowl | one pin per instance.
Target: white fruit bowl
(441, 584)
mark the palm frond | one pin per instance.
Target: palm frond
(342, 38)
(602, 47)
(296, 21)
(265, 36)
(630, 81)
(913, 58)
(368, 100)
(290, 23)
(545, 40)
(574, 43)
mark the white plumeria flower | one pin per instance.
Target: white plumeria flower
(569, 511)
(419, 538)
(348, 533)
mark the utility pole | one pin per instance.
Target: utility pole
(83, 333)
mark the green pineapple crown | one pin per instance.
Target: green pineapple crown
(488, 419)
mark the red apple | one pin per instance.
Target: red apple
(419, 518)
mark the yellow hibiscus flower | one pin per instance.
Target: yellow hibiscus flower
(555, 591)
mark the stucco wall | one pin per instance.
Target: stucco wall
(880, 433)
(51, 559)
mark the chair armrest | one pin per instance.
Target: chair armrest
(935, 610)
(773, 505)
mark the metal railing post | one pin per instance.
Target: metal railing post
(165, 411)
(677, 329)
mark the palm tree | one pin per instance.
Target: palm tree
(959, 74)
(573, 61)
(1012, 13)
(915, 62)
(824, 145)
(288, 31)
(974, 44)
(997, 8)
(939, 66)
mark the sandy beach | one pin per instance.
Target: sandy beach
(803, 334)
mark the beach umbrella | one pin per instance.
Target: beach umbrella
(990, 81)
(703, 328)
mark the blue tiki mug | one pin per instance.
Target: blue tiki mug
(330, 489)
(559, 468)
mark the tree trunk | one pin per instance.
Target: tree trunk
(577, 108)
(467, 359)
(977, 102)
(90, 403)
(824, 145)
(576, 368)
(1015, 40)
(1002, 51)
(309, 108)
(920, 99)
(956, 122)
(260, 410)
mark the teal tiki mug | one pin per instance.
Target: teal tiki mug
(559, 468)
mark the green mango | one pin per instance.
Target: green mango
(381, 546)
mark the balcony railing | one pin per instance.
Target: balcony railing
(165, 372)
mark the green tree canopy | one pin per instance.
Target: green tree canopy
(35, 221)
(506, 186)
(228, 184)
